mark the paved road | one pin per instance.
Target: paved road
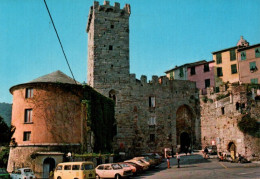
(195, 167)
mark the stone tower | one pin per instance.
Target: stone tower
(108, 45)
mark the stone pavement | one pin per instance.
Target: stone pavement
(195, 166)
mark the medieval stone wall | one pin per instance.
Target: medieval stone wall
(220, 117)
(140, 126)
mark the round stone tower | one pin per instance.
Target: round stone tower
(46, 114)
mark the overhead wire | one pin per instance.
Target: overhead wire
(59, 41)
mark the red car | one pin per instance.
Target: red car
(139, 168)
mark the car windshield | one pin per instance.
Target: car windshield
(27, 170)
(116, 166)
(87, 167)
(124, 165)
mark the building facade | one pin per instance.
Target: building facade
(220, 114)
(150, 115)
(249, 64)
(202, 73)
(48, 119)
(226, 63)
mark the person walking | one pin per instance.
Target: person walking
(168, 162)
(178, 159)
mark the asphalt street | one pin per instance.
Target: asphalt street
(195, 167)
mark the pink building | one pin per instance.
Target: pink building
(202, 73)
(249, 64)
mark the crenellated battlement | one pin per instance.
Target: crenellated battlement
(106, 7)
(156, 81)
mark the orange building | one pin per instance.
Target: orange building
(47, 116)
(249, 64)
(226, 63)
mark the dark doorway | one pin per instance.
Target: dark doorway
(48, 165)
(232, 149)
(185, 141)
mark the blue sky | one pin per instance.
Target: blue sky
(163, 33)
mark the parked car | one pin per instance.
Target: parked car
(112, 170)
(128, 166)
(23, 173)
(212, 149)
(139, 168)
(156, 156)
(79, 170)
(146, 160)
(4, 174)
(139, 162)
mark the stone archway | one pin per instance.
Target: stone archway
(48, 166)
(184, 141)
(185, 127)
(232, 149)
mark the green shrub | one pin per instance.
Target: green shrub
(205, 99)
(249, 126)
(222, 96)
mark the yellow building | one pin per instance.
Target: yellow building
(226, 63)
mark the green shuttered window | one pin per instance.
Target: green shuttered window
(243, 55)
(232, 55)
(234, 69)
(219, 58)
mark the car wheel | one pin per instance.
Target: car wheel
(59, 178)
(97, 177)
(117, 176)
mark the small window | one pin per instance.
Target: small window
(207, 83)
(110, 47)
(181, 74)
(26, 136)
(219, 72)
(75, 167)
(232, 55)
(252, 66)
(192, 71)
(171, 75)
(152, 121)
(206, 67)
(152, 137)
(223, 110)
(59, 167)
(29, 93)
(257, 52)
(234, 69)
(219, 58)
(112, 26)
(67, 167)
(243, 55)
(217, 89)
(151, 101)
(28, 116)
(254, 81)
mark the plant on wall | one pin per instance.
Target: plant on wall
(249, 126)
(101, 118)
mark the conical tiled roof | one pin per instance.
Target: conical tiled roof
(54, 77)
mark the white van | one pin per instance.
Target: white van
(75, 170)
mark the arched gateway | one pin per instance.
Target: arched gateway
(185, 128)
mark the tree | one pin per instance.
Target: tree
(5, 135)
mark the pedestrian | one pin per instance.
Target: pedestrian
(51, 174)
(206, 152)
(168, 162)
(178, 159)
